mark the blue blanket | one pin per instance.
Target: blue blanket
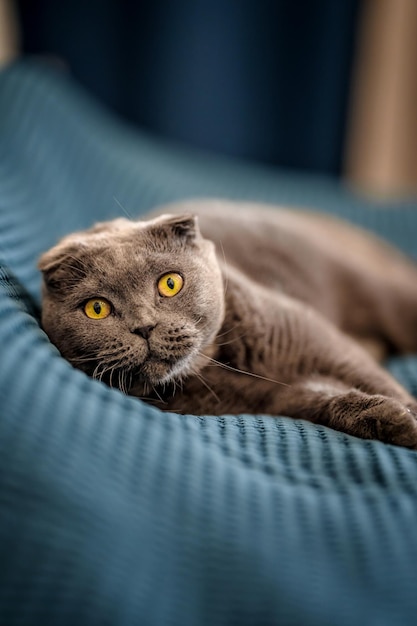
(113, 513)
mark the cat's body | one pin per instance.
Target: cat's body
(260, 322)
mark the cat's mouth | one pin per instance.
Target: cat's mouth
(135, 378)
(157, 370)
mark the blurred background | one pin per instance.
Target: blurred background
(321, 86)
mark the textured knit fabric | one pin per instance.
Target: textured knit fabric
(113, 513)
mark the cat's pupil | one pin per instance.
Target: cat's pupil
(97, 308)
(170, 283)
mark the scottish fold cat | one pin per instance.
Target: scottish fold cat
(215, 307)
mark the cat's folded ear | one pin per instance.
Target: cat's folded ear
(184, 228)
(61, 267)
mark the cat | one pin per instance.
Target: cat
(215, 307)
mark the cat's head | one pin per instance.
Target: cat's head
(133, 303)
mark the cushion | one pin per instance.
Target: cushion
(112, 512)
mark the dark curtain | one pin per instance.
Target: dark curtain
(265, 80)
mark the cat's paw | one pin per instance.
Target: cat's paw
(382, 418)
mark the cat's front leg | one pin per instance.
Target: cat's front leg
(333, 381)
(331, 403)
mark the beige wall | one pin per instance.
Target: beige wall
(381, 145)
(9, 40)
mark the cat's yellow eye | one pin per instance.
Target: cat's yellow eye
(170, 284)
(97, 308)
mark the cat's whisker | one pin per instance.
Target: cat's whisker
(120, 377)
(226, 343)
(207, 386)
(238, 371)
(112, 359)
(155, 402)
(226, 281)
(111, 375)
(78, 261)
(115, 369)
(179, 383)
(125, 211)
(149, 400)
(109, 354)
(95, 373)
(95, 357)
(130, 380)
(82, 359)
(226, 332)
(84, 265)
(70, 266)
(124, 379)
(104, 371)
(154, 389)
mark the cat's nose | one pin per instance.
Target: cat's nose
(144, 331)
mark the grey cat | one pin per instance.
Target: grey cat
(243, 309)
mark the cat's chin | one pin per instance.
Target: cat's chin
(157, 371)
